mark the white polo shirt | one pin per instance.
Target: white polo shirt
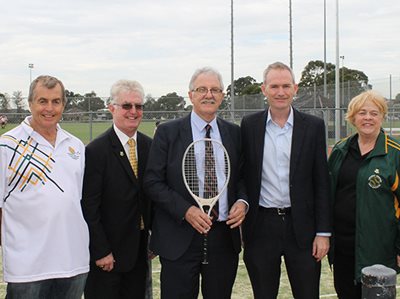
(44, 234)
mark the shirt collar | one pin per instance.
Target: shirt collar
(200, 123)
(289, 121)
(26, 124)
(123, 138)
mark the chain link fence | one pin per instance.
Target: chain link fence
(88, 125)
(315, 100)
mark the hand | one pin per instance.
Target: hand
(398, 260)
(199, 220)
(237, 214)
(320, 247)
(106, 263)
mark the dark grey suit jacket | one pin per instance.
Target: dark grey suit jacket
(113, 199)
(171, 234)
(309, 178)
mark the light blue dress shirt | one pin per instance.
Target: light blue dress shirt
(198, 132)
(276, 164)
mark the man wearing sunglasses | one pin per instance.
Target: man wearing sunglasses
(114, 204)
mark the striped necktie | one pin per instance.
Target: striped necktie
(210, 176)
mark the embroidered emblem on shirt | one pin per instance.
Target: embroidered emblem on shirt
(73, 154)
(374, 181)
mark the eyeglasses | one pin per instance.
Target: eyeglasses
(203, 91)
(129, 106)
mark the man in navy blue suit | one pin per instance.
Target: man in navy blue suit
(286, 175)
(179, 224)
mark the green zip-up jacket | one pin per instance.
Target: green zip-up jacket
(377, 206)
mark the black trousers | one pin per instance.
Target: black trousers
(180, 279)
(119, 285)
(274, 238)
(343, 277)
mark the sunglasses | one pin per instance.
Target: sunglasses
(129, 106)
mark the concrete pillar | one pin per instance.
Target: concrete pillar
(378, 281)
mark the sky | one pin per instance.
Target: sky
(90, 44)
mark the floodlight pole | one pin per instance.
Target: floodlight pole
(290, 35)
(337, 89)
(232, 94)
(30, 66)
(342, 57)
(325, 91)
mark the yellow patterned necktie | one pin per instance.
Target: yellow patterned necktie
(132, 155)
(134, 165)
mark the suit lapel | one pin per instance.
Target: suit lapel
(259, 141)
(142, 153)
(119, 152)
(225, 137)
(185, 132)
(299, 130)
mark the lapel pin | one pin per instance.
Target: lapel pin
(121, 153)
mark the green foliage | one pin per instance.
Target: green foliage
(313, 73)
(244, 86)
(171, 102)
(4, 102)
(18, 101)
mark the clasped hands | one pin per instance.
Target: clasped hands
(201, 222)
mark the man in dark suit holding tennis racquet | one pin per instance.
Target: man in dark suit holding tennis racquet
(179, 224)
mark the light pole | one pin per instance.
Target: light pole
(342, 57)
(325, 91)
(290, 35)
(30, 65)
(337, 89)
(232, 95)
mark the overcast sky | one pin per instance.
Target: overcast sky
(89, 44)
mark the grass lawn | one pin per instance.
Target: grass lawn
(82, 130)
(242, 286)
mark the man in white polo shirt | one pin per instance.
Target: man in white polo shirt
(44, 236)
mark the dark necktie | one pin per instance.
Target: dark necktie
(210, 177)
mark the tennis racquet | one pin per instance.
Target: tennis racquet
(206, 171)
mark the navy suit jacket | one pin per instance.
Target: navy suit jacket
(171, 234)
(113, 199)
(309, 177)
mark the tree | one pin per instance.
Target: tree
(151, 104)
(73, 100)
(313, 73)
(18, 101)
(397, 97)
(244, 86)
(4, 102)
(91, 102)
(171, 102)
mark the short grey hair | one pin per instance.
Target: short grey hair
(277, 66)
(205, 70)
(49, 82)
(125, 86)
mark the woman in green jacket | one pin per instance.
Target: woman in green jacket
(364, 171)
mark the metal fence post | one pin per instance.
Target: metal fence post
(378, 281)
